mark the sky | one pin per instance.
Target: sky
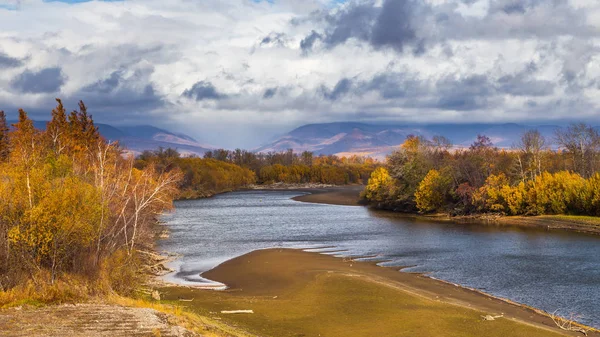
(237, 72)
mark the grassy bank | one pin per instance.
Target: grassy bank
(295, 293)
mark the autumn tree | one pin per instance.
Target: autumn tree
(380, 187)
(530, 150)
(4, 144)
(582, 143)
(70, 201)
(432, 192)
(57, 130)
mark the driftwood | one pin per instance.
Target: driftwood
(491, 318)
(237, 312)
(567, 324)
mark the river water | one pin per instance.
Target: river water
(550, 270)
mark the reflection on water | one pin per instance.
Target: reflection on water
(548, 270)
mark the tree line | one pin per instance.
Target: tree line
(529, 179)
(304, 167)
(201, 177)
(73, 205)
(224, 170)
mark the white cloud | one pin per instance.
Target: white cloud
(141, 55)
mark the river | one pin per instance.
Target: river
(550, 270)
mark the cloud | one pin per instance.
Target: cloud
(48, 80)
(393, 26)
(309, 41)
(9, 62)
(203, 90)
(340, 89)
(269, 93)
(127, 90)
(387, 26)
(198, 65)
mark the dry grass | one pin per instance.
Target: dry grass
(39, 291)
(199, 324)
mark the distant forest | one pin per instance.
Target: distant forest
(428, 176)
(224, 170)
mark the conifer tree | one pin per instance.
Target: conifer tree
(4, 144)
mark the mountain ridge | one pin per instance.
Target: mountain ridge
(139, 138)
(378, 140)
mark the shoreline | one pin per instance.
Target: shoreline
(286, 272)
(349, 196)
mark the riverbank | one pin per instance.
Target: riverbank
(340, 195)
(350, 196)
(297, 293)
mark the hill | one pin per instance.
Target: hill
(379, 140)
(145, 137)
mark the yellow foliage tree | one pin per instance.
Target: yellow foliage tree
(431, 191)
(380, 185)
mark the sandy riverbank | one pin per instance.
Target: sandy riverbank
(297, 293)
(342, 195)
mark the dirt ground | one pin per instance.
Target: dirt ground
(88, 320)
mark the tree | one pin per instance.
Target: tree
(70, 201)
(307, 158)
(4, 144)
(58, 128)
(431, 193)
(490, 196)
(409, 165)
(582, 143)
(380, 186)
(530, 150)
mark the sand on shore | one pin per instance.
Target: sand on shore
(341, 195)
(297, 293)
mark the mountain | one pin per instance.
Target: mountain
(346, 138)
(146, 137)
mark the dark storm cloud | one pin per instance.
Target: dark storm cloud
(513, 8)
(519, 85)
(9, 62)
(105, 85)
(274, 39)
(452, 92)
(520, 6)
(393, 27)
(133, 91)
(203, 90)
(269, 93)
(342, 87)
(389, 26)
(307, 43)
(45, 81)
(393, 85)
(463, 94)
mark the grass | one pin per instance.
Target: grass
(583, 219)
